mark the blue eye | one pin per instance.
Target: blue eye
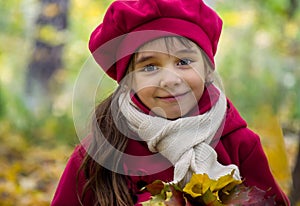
(183, 62)
(149, 68)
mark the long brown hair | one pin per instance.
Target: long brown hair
(108, 187)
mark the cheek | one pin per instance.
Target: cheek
(196, 83)
(199, 92)
(142, 83)
(144, 93)
(143, 87)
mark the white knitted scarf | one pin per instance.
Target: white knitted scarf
(184, 141)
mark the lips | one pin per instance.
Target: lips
(172, 98)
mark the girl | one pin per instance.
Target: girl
(168, 118)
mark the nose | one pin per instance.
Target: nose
(169, 79)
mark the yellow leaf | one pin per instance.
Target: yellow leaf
(226, 180)
(268, 127)
(198, 185)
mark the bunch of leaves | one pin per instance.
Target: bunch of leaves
(201, 190)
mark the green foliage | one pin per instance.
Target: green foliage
(258, 57)
(46, 129)
(11, 21)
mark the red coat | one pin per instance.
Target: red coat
(238, 145)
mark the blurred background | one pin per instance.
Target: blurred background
(44, 46)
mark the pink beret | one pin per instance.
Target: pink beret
(128, 24)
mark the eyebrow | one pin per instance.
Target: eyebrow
(144, 58)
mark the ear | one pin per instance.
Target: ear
(209, 77)
(124, 87)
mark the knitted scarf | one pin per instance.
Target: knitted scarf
(184, 141)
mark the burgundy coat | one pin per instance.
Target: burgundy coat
(238, 145)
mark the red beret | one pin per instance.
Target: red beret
(128, 24)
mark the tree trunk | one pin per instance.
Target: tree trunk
(46, 58)
(295, 193)
(292, 8)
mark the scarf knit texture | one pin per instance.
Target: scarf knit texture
(185, 142)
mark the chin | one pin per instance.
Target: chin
(171, 113)
(174, 115)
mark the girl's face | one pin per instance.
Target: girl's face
(169, 79)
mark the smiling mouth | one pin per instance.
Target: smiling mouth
(172, 98)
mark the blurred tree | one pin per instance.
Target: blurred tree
(293, 8)
(46, 59)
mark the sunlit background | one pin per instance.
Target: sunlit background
(44, 46)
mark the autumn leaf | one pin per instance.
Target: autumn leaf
(268, 126)
(211, 199)
(198, 185)
(246, 196)
(156, 187)
(226, 183)
(176, 199)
